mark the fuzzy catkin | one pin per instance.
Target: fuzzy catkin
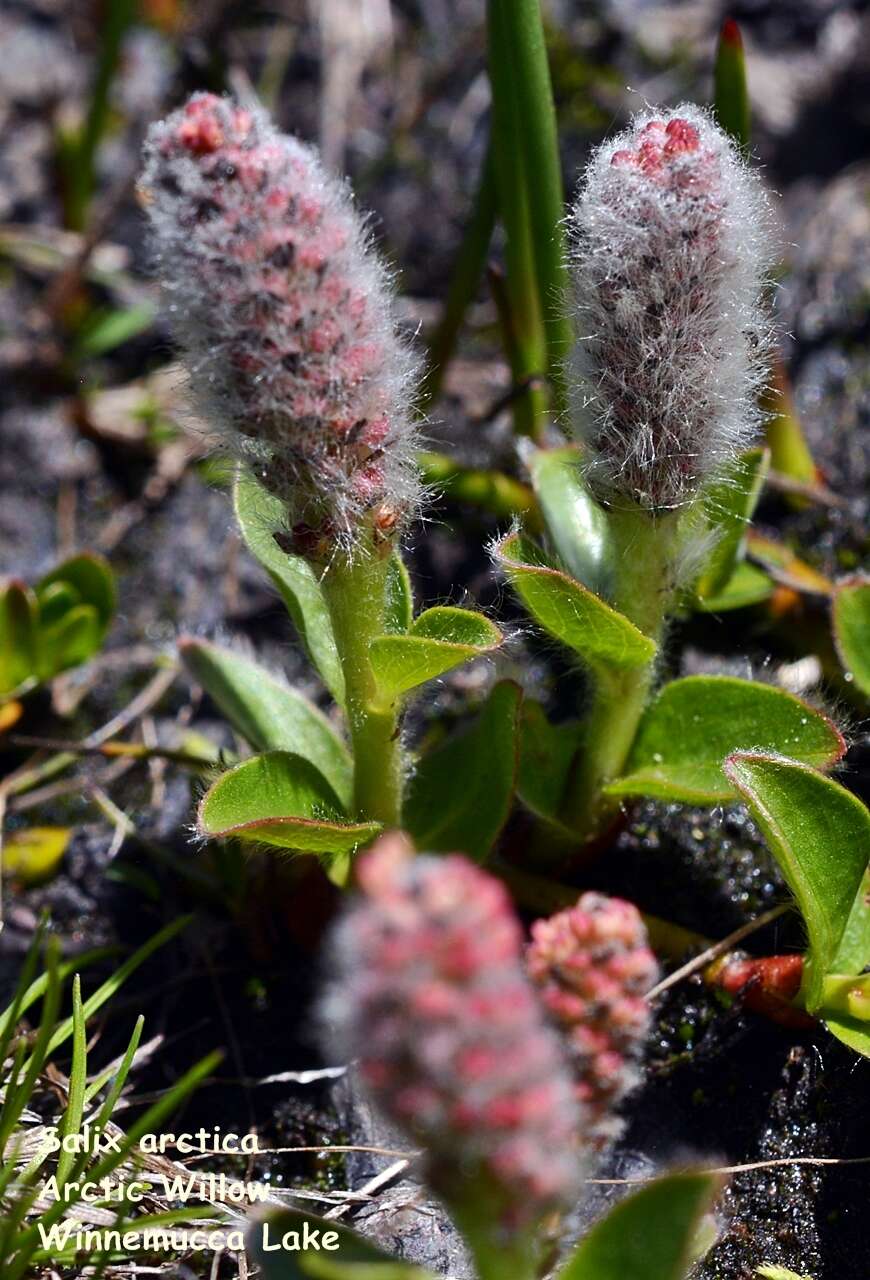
(451, 1041)
(592, 966)
(671, 241)
(285, 317)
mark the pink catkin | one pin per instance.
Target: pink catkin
(592, 967)
(671, 243)
(285, 317)
(450, 1037)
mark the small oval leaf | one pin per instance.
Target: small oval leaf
(280, 799)
(547, 752)
(259, 516)
(268, 714)
(851, 617)
(55, 600)
(648, 1236)
(18, 637)
(460, 796)
(71, 641)
(819, 834)
(399, 612)
(729, 505)
(747, 585)
(569, 611)
(34, 854)
(694, 723)
(577, 524)
(91, 578)
(440, 639)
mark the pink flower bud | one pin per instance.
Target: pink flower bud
(450, 1035)
(285, 317)
(592, 967)
(671, 242)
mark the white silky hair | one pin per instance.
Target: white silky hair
(212, 298)
(669, 283)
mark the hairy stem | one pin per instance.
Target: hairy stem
(644, 590)
(355, 592)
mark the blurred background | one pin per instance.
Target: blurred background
(97, 447)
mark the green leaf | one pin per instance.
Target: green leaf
(731, 96)
(517, 295)
(819, 834)
(729, 505)
(18, 629)
(851, 618)
(460, 797)
(853, 953)
(694, 723)
(259, 516)
(569, 611)
(55, 600)
(785, 567)
(110, 327)
(71, 641)
(439, 639)
(399, 612)
(522, 94)
(91, 577)
(34, 854)
(847, 994)
(268, 714)
(855, 1035)
(318, 1249)
(280, 799)
(648, 1236)
(546, 754)
(577, 524)
(747, 585)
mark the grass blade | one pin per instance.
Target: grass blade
(521, 36)
(529, 345)
(72, 1118)
(730, 94)
(118, 978)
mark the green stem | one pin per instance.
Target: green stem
(79, 154)
(529, 357)
(644, 589)
(509, 1258)
(537, 137)
(355, 591)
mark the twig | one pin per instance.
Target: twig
(783, 1162)
(111, 750)
(374, 1184)
(31, 775)
(717, 949)
(817, 493)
